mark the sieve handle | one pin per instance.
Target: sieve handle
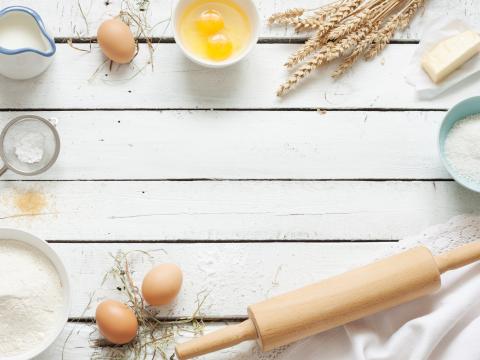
(3, 169)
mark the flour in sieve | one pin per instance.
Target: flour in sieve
(29, 147)
(31, 298)
(462, 147)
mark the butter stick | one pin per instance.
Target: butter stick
(450, 54)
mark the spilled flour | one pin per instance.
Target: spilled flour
(30, 202)
(31, 298)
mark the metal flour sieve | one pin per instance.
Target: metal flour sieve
(29, 145)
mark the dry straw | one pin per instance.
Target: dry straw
(346, 29)
(156, 334)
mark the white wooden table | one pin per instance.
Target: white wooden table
(250, 194)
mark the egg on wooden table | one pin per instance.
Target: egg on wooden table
(162, 284)
(116, 41)
(116, 322)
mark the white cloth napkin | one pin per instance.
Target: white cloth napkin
(443, 326)
(439, 29)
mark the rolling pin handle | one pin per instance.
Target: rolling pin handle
(220, 339)
(458, 257)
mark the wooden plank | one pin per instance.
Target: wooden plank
(178, 83)
(79, 345)
(235, 145)
(228, 276)
(230, 210)
(65, 19)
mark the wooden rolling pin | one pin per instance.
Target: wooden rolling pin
(336, 301)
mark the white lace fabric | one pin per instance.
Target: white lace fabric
(460, 230)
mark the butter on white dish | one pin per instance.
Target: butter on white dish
(451, 53)
(435, 31)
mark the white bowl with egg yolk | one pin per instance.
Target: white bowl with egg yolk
(251, 12)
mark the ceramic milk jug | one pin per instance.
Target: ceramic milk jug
(26, 49)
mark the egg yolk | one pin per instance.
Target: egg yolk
(219, 47)
(210, 22)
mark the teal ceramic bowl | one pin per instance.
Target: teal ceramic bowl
(463, 109)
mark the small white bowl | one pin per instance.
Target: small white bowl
(46, 249)
(252, 13)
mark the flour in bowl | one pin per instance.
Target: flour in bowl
(31, 298)
(462, 147)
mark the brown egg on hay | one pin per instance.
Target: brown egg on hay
(116, 41)
(116, 322)
(162, 284)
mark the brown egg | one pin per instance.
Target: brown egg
(116, 41)
(116, 321)
(162, 284)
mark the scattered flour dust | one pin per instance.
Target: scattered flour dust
(30, 202)
(31, 298)
(462, 147)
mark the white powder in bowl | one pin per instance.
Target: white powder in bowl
(31, 298)
(462, 147)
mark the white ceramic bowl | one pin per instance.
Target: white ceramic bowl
(250, 9)
(45, 248)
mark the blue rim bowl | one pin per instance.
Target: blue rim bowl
(467, 107)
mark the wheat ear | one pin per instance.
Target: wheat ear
(283, 17)
(355, 55)
(384, 35)
(410, 12)
(353, 24)
(318, 39)
(310, 23)
(327, 53)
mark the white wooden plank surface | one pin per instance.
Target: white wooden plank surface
(234, 210)
(78, 346)
(149, 145)
(230, 275)
(65, 20)
(178, 83)
(232, 145)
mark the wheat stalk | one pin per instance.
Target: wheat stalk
(310, 23)
(344, 9)
(355, 55)
(330, 51)
(382, 38)
(346, 29)
(285, 17)
(400, 20)
(410, 12)
(353, 24)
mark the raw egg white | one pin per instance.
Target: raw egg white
(116, 41)
(116, 322)
(162, 284)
